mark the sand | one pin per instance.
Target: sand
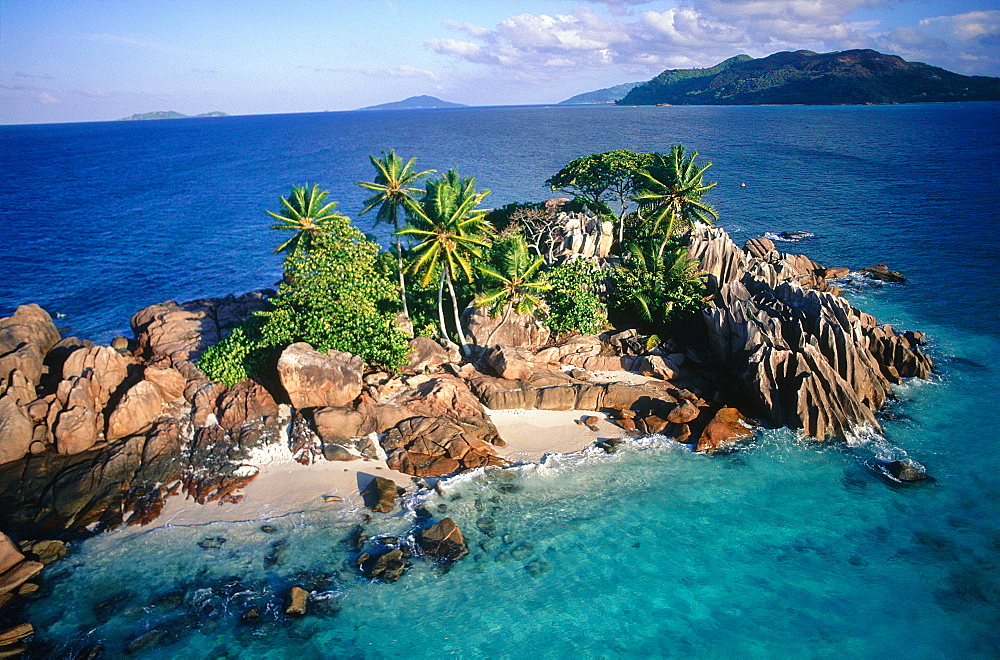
(285, 487)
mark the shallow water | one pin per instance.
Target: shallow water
(783, 549)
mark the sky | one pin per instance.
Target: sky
(96, 60)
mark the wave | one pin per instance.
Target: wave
(788, 236)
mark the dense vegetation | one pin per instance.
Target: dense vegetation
(340, 291)
(805, 77)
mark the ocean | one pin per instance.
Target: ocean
(783, 549)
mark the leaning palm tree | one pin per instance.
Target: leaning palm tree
(671, 188)
(451, 231)
(515, 290)
(306, 213)
(392, 189)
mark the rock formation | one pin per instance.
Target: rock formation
(798, 355)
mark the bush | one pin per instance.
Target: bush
(657, 295)
(573, 304)
(337, 296)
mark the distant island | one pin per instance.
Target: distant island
(170, 114)
(606, 95)
(850, 77)
(414, 103)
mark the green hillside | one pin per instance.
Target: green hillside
(805, 77)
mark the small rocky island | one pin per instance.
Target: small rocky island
(95, 437)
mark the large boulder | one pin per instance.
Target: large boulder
(25, 338)
(517, 330)
(15, 570)
(726, 429)
(137, 409)
(443, 540)
(426, 354)
(319, 380)
(509, 362)
(380, 494)
(337, 425)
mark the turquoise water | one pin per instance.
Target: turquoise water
(784, 549)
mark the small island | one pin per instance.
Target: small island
(460, 352)
(423, 102)
(170, 114)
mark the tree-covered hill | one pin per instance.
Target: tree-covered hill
(805, 77)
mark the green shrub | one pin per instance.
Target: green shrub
(338, 296)
(655, 294)
(573, 304)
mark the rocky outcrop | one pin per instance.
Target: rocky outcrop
(103, 437)
(797, 357)
(433, 447)
(15, 569)
(380, 494)
(182, 332)
(316, 380)
(25, 338)
(427, 355)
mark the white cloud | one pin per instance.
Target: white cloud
(93, 92)
(45, 97)
(118, 40)
(541, 47)
(400, 71)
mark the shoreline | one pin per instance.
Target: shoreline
(285, 487)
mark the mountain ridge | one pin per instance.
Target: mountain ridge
(850, 77)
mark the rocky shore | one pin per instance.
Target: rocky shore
(94, 437)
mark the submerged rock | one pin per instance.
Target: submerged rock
(388, 566)
(906, 471)
(883, 273)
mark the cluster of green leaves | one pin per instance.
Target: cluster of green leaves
(657, 289)
(573, 303)
(337, 295)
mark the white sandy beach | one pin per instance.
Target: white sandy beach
(284, 486)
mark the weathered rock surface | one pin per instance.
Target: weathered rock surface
(25, 338)
(509, 362)
(726, 429)
(15, 569)
(518, 330)
(388, 566)
(426, 354)
(797, 357)
(906, 471)
(182, 332)
(443, 540)
(381, 494)
(297, 598)
(317, 380)
(16, 430)
(432, 447)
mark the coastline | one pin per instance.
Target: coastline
(284, 487)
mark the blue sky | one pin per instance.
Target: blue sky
(93, 60)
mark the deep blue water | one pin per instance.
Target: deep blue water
(784, 549)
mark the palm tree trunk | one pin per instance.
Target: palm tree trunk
(444, 328)
(402, 282)
(506, 316)
(458, 320)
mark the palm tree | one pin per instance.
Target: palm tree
(392, 193)
(308, 215)
(451, 230)
(671, 188)
(515, 290)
